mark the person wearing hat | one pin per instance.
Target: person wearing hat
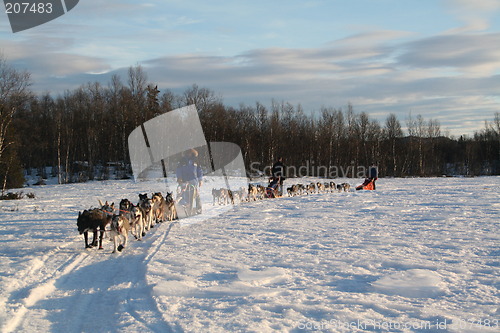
(190, 178)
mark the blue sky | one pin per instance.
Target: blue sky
(438, 58)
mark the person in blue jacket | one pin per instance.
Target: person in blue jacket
(190, 178)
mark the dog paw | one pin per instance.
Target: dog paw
(120, 248)
(143, 234)
(101, 248)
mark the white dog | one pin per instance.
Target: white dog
(120, 227)
(137, 223)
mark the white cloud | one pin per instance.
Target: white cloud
(470, 54)
(372, 79)
(475, 14)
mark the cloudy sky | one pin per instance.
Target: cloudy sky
(437, 58)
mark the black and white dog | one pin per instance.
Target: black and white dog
(171, 212)
(137, 223)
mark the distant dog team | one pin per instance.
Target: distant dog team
(255, 192)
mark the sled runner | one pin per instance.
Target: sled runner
(188, 200)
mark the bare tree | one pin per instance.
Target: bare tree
(496, 128)
(137, 81)
(433, 133)
(393, 133)
(13, 96)
(13, 89)
(496, 123)
(362, 128)
(421, 129)
(203, 98)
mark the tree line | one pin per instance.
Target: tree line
(83, 133)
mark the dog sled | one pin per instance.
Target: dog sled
(274, 188)
(369, 183)
(188, 201)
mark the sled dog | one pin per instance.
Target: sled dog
(171, 213)
(147, 211)
(137, 223)
(120, 228)
(94, 220)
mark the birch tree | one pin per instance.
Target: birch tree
(14, 95)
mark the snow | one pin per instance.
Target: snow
(418, 254)
(412, 283)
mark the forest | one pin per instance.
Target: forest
(82, 133)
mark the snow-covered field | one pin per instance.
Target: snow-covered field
(417, 255)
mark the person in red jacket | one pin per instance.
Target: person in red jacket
(369, 183)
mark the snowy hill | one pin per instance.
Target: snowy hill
(415, 255)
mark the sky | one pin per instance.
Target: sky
(435, 58)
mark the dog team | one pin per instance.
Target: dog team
(134, 219)
(318, 187)
(224, 196)
(255, 192)
(137, 219)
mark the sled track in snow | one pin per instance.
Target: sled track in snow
(41, 285)
(83, 280)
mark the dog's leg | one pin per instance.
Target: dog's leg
(173, 214)
(142, 231)
(94, 240)
(115, 243)
(147, 224)
(169, 214)
(138, 229)
(101, 235)
(86, 237)
(125, 239)
(133, 229)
